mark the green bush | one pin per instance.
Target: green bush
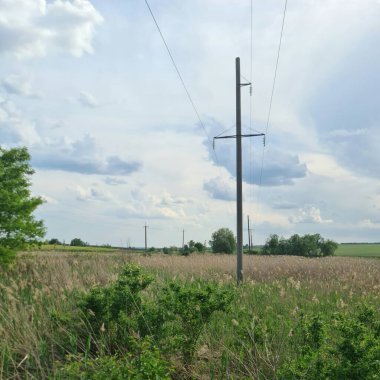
(344, 347)
(113, 319)
(145, 364)
(189, 307)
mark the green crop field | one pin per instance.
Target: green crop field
(359, 250)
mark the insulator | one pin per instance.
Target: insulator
(250, 90)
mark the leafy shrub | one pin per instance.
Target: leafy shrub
(345, 347)
(145, 364)
(189, 307)
(113, 319)
(117, 308)
(6, 256)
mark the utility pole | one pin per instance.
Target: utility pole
(146, 241)
(183, 239)
(249, 237)
(239, 184)
(239, 179)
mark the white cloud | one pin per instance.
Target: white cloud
(48, 199)
(308, 215)
(220, 188)
(369, 223)
(92, 193)
(14, 129)
(19, 85)
(87, 100)
(32, 28)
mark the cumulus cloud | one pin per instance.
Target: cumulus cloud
(35, 28)
(14, 128)
(19, 85)
(345, 108)
(280, 167)
(308, 214)
(221, 189)
(80, 156)
(92, 194)
(114, 181)
(87, 100)
(143, 204)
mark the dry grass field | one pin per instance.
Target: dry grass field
(274, 290)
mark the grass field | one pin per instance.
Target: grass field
(358, 250)
(253, 339)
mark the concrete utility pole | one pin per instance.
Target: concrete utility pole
(183, 239)
(239, 184)
(146, 241)
(249, 236)
(239, 171)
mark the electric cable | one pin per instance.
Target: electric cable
(180, 77)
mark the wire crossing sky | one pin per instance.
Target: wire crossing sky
(88, 87)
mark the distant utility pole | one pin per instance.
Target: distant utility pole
(249, 237)
(183, 239)
(146, 240)
(239, 179)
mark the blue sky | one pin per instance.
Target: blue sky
(89, 88)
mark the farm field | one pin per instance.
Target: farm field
(359, 250)
(255, 338)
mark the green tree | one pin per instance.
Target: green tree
(309, 245)
(18, 227)
(200, 247)
(223, 241)
(54, 241)
(76, 242)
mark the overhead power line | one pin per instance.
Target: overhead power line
(273, 88)
(180, 76)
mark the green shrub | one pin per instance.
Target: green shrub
(344, 347)
(145, 364)
(189, 307)
(111, 320)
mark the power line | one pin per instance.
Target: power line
(251, 106)
(276, 68)
(272, 93)
(180, 77)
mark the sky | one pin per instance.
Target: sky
(89, 88)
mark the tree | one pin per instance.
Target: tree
(54, 241)
(309, 245)
(18, 227)
(200, 247)
(223, 241)
(76, 242)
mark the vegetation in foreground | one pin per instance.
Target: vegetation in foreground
(82, 316)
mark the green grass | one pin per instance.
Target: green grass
(69, 248)
(358, 250)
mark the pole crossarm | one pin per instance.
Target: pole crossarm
(236, 136)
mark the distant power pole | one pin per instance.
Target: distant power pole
(249, 237)
(146, 240)
(239, 179)
(183, 239)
